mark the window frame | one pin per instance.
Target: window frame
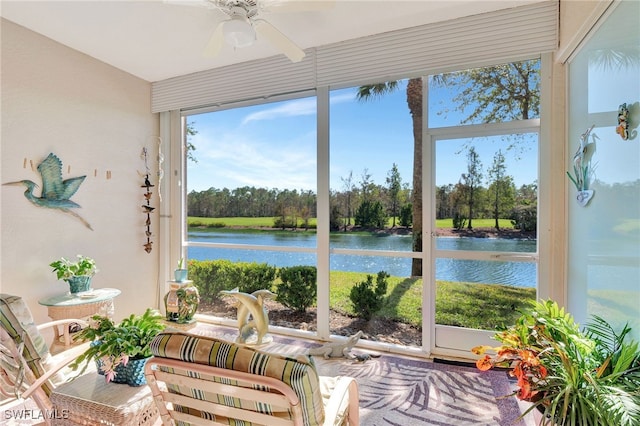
(173, 232)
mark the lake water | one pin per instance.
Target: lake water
(522, 274)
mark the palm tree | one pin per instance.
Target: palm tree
(414, 101)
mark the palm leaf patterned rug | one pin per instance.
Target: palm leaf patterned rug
(401, 391)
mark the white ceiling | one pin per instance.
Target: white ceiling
(156, 39)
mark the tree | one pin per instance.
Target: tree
(287, 216)
(501, 188)
(414, 101)
(334, 218)
(367, 185)
(370, 214)
(497, 93)
(527, 194)
(305, 215)
(457, 199)
(348, 189)
(395, 185)
(472, 181)
(191, 131)
(444, 208)
(525, 212)
(405, 215)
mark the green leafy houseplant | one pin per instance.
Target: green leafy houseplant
(65, 269)
(115, 344)
(574, 377)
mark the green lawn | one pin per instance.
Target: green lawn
(267, 222)
(219, 222)
(477, 223)
(471, 305)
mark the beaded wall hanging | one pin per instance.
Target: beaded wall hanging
(146, 208)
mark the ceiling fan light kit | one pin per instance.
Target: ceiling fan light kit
(243, 26)
(239, 32)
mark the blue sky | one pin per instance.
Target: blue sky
(274, 145)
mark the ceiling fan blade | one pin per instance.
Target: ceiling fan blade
(279, 40)
(214, 46)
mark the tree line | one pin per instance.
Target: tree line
(360, 202)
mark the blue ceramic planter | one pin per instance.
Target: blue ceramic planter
(180, 275)
(79, 284)
(134, 372)
(131, 374)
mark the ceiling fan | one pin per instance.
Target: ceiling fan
(243, 26)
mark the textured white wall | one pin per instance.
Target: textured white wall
(95, 118)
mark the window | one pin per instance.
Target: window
(371, 171)
(253, 197)
(253, 168)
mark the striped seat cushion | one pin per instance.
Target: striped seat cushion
(300, 373)
(17, 320)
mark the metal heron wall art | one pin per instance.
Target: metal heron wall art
(56, 192)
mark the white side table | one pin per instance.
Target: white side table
(90, 400)
(98, 301)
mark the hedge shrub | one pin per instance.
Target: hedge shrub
(366, 299)
(298, 289)
(212, 276)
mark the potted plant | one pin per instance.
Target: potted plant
(574, 377)
(180, 273)
(120, 350)
(77, 274)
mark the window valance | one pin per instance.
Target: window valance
(471, 41)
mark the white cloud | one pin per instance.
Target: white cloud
(342, 98)
(232, 161)
(294, 108)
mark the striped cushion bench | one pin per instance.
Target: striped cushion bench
(299, 373)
